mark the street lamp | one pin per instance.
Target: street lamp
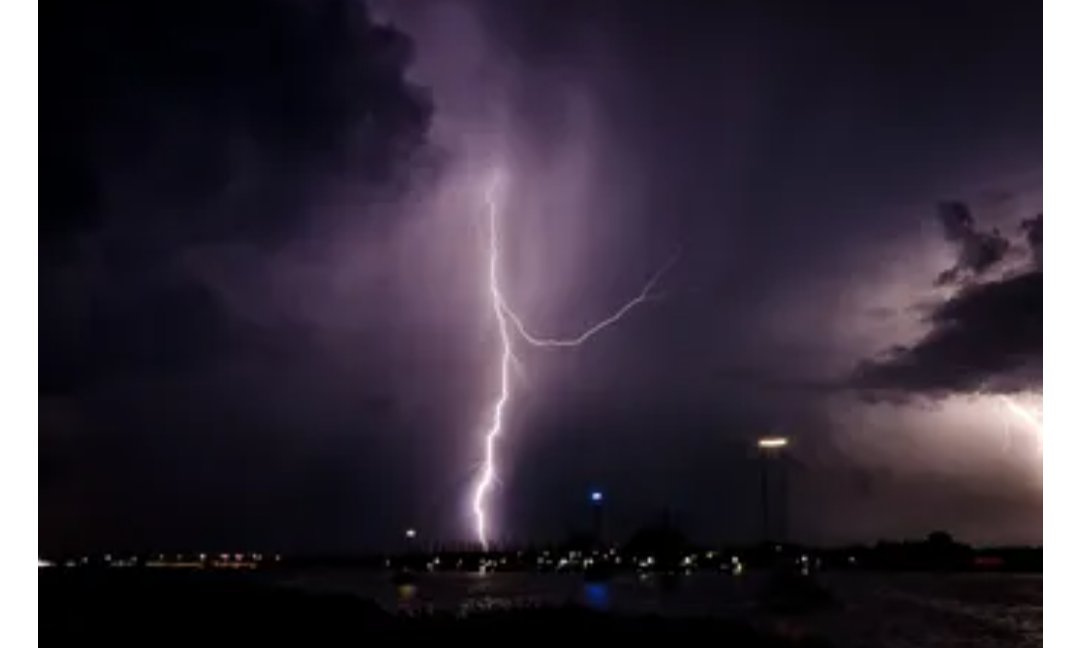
(771, 448)
(597, 499)
(772, 443)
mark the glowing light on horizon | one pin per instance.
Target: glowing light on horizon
(508, 322)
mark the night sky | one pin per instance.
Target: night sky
(264, 311)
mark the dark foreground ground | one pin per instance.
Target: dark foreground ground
(156, 607)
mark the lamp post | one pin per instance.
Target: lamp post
(597, 500)
(770, 449)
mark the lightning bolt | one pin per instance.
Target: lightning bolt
(509, 323)
(643, 296)
(506, 360)
(1024, 414)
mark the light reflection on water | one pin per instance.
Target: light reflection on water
(598, 596)
(898, 610)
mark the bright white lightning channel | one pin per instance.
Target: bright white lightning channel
(1025, 414)
(509, 322)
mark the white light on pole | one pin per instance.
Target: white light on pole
(772, 443)
(772, 448)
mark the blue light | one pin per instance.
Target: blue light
(597, 497)
(598, 596)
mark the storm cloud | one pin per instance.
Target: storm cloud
(264, 317)
(188, 150)
(984, 337)
(183, 124)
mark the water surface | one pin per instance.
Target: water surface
(886, 611)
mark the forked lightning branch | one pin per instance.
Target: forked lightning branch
(512, 328)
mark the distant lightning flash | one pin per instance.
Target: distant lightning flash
(1023, 413)
(508, 322)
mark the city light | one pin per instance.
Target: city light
(772, 442)
(597, 497)
(410, 533)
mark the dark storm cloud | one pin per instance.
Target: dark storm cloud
(151, 328)
(979, 251)
(987, 336)
(173, 132)
(1033, 233)
(173, 124)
